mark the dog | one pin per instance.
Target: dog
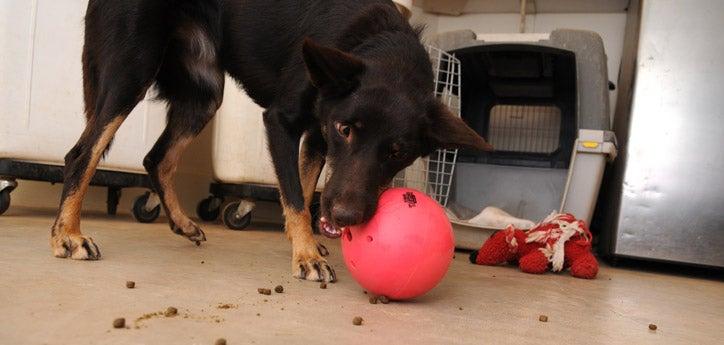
(345, 83)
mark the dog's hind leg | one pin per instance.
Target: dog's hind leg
(192, 83)
(120, 61)
(113, 104)
(185, 121)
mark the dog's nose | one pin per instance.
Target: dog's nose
(344, 216)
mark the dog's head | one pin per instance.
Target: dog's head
(376, 118)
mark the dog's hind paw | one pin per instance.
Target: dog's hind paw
(191, 231)
(76, 247)
(313, 269)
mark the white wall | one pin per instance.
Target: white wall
(610, 26)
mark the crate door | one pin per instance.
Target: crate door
(433, 174)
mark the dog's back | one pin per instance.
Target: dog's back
(258, 42)
(262, 39)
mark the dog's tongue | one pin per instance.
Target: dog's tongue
(329, 230)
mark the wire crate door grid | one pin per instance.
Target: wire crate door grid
(433, 174)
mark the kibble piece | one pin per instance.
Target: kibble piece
(384, 299)
(461, 308)
(170, 312)
(543, 318)
(323, 285)
(373, 299)
(220, 341)
(264, 291)
(279, 289)
(357, 321)
(130, 284)
(652, 327)
(119, 323)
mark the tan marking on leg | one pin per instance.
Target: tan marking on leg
(307, 261)
(166, 173)
(309, 169)
(67, 224)
(70, 209)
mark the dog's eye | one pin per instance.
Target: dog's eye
(343, 130)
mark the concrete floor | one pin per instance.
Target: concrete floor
(44, 300)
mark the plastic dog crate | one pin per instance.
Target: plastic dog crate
(542, 101)
(41, 106)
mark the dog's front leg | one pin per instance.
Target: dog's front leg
(284, 134)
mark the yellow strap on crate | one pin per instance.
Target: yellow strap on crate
(590, 144)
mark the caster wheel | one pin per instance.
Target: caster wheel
(139, 210)
(4, 201)
(232, 220)
(209, 209)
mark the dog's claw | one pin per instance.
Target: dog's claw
(76, 247)
(315, 270)
(191, 231)
(322, 250)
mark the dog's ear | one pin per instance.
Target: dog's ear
(331, 70)
(451, 132)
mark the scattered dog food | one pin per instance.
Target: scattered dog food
(373, 299)
(226, 306)
(130, 284)
(357, 321)
(220, 341)
(119, 323)
(202, 261)
(543, 318)
(323, 285)
(653, 327)
(264, 291)
(257, 314)
(461, 308)
(170, 312)
(384, 299)
(279, 289)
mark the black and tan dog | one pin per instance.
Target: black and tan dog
(350, 76)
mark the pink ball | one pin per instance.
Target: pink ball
(404, 250)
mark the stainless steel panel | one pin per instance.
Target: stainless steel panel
(672, 201)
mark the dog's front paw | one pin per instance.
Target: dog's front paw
(189, 230)
(76, 247)
(312, 266)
